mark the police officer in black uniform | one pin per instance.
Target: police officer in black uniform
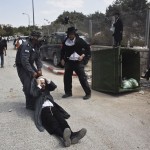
(75, 54)
(3, 48)
(29, 65)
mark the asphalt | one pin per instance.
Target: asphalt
(113, 122)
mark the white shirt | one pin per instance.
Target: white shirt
(70, 42)
(74, 56)
(47, 103)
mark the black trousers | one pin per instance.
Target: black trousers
(117, 39)
(147, 74)
(53, 122)
(25, 79)
(78, 67)
(2, 59)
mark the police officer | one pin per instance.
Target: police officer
(29, 65)
(75, 54)
(3, 48)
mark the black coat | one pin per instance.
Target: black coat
(118, 25)
(28, 58)
(3, 45)
(41, 96)
(80, 47)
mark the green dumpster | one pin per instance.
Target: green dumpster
(111, 66)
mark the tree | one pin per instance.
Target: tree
(74, 17)
(7, 30)
(2, 32)
(98, 21)
(133, 14)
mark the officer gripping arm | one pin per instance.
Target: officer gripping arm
(25, 56)
(30, 55)
(38, 63)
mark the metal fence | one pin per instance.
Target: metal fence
(136, 25)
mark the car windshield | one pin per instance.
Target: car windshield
(60, 33)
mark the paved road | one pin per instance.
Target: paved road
(113, 122)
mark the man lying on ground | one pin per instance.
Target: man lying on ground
(50, 116)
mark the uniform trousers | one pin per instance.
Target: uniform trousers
(2, 59)
(25, 79)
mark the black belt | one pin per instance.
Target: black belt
(73, 60)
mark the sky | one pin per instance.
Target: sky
(11, 11)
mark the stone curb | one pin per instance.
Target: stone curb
(56, 71)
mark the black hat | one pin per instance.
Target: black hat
(71, 30)
(35, 33)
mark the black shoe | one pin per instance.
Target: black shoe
(66, 137)
(66, 95)
(114, 46)
(143, 76)
(87, 96)
(75, 137)
(147, 75)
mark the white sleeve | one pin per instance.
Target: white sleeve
(39, 86)
(20, 42)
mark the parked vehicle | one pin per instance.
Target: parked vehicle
(52, 47)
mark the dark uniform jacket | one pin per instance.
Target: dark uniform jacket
(80, 47)
(27, 56)
(41, 96)
(3, 44)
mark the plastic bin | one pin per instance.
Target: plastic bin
(110, 66)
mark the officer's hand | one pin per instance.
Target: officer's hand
(35, 75)
(39, 73)
(62, 62)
